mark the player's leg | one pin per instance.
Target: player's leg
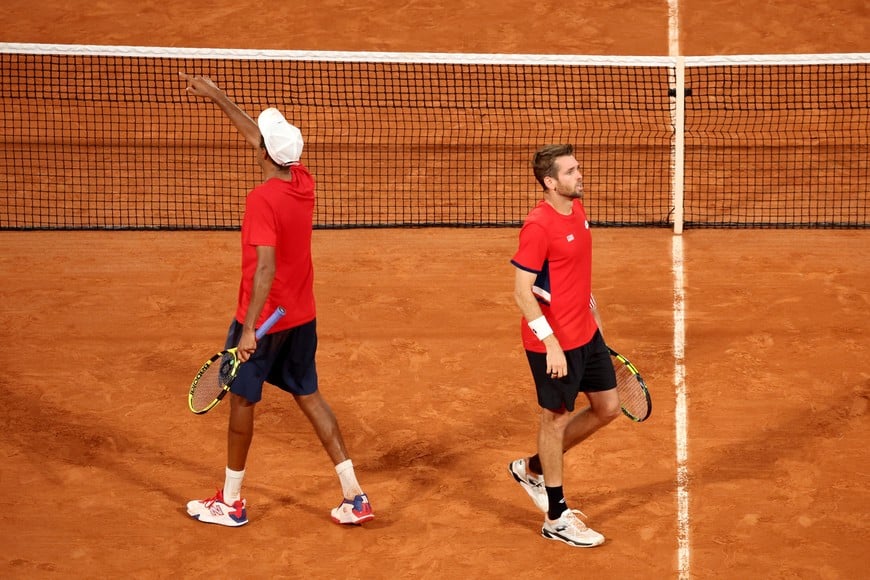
(598, 383)
(557, 399)
(561, 523)
(551, 434)
(240, 431)
(354, 507)
(528, 471)
(297, 374)
(592, 364)
(227, 507)
(603, 408)
(245, 393)
(325, 425)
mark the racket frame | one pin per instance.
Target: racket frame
(217, 358)
(633, 370)
(260, 333)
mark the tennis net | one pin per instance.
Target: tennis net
(107, 138)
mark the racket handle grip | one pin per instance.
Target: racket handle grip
(270, 322)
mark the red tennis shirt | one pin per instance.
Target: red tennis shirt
(558, 248)
(279, 214)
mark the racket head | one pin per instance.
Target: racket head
(213, 381)
(634, 397)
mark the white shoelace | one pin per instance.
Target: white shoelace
(571, 520)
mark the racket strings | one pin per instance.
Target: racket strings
(631, 393)
(211, 382)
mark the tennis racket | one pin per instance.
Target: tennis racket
(214, 378)
(633, 394)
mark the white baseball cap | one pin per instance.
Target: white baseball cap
(283, 140)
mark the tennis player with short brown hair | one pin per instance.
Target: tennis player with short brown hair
(560, 331)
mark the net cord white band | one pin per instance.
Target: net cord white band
(428, 57)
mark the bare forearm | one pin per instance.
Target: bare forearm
(243, 122)
(202, 86)
(528, 305)
(263, 278)
(264, 275)
(531, 310)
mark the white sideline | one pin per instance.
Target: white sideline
(680, 415)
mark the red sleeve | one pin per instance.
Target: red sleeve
(533, 250)
(260, 219)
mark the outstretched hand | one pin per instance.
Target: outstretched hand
(201, 86)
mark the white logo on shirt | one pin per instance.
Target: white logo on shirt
(570, 237)
(587, 224)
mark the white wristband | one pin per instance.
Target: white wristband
(541, 327)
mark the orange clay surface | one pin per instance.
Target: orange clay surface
(421, 360)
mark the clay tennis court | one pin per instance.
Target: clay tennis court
(421, 360)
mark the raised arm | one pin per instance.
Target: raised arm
(202, 86)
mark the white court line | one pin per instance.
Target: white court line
(680, 415)
(673, 28)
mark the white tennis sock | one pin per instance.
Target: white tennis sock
(233, 486)
(349, 485)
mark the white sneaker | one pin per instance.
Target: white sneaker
(214, 511)
(571, 530)
(533, 484)
(353, 511)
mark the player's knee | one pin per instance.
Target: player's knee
(238, 401)
(607, 413)
(554, 421)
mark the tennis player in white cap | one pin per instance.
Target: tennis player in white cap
(277, 271)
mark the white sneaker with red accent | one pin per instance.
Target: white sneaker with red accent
(353, 511)
(215, 511)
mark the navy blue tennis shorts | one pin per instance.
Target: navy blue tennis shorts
(590, 369)
(284, 359)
